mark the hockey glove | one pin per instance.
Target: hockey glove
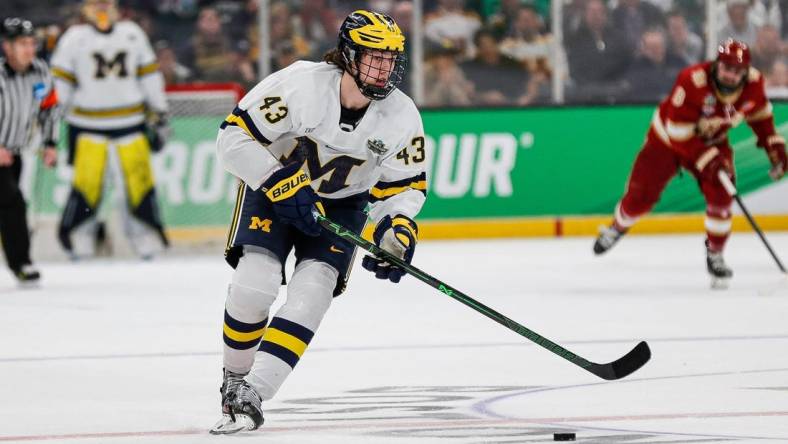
(294, 200)
(776, 153)
(158, 131)
(710, 163)
(398, 236)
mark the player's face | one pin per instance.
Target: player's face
(730, 76)
(375, 67)
(21, 51)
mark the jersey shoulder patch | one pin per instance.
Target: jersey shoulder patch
(699, 78)
(753, 75)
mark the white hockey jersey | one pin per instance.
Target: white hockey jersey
(295, 114)
(107, 80)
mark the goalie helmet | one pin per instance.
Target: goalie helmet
(371, 31)
(101, 13)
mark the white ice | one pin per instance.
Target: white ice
(128, 352)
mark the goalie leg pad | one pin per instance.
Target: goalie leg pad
(90, 153)
(138, 185)
(90, 162)
(253, 290)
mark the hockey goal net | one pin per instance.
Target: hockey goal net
(196, 195)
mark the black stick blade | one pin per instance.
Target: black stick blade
(625, 365)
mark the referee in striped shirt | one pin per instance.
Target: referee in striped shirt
(27, 104)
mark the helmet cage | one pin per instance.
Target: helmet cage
(352, 55)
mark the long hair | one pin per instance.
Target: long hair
(334, 57)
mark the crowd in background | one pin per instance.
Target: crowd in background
(477, 52)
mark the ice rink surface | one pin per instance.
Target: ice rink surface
(129, 352)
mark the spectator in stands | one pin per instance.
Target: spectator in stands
(664, 5)
(598, 55)
(738, 26)
(173, 72)
(500, 22)
(652, 73)
(211, 55)
(528, 44)
(318, 24)
(633, 17)
(768, 48)
(446, 85)
(574, 12)
(451, 21)
(759, 13)
(777, 80)
(683, 43)
(285, 26)
(284, 54)
(497, 79)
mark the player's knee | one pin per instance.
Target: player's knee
(640, 199)
(254, 286)
(719, 210)
(310, 292)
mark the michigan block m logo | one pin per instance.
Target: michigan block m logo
(260, 224)
(115, 66)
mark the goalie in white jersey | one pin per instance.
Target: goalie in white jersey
(332, 137)
(108, 80)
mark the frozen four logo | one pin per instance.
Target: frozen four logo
(376, 146)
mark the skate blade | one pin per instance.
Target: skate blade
(29, 285)
(720, 283)
(226, 425)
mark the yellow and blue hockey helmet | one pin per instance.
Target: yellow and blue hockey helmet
(363, 31)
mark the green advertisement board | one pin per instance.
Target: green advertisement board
(481, 164)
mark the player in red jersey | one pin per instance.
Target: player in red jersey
(690, 130)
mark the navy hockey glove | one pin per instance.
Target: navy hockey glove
(398, 236)
(294, 200)
(158, 131)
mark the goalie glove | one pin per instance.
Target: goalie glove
(293, 199)
(776, 153)
(398, 236)
(158, 131)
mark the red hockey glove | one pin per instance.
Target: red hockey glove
(776, 153)
(710, 163)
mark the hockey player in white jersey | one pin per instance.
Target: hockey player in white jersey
(108, 81)
(331, 137)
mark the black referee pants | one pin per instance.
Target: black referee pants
(13, 217)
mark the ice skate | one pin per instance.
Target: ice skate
(28, 276)
(608, 236)
(230, 383)
(718, 269)
(243, 411)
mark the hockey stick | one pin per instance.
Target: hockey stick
(610, 371)
(731, 189)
